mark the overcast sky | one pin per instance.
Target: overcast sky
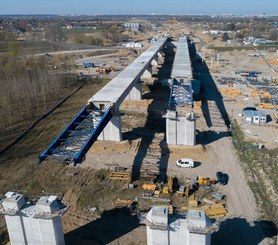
(88, 7)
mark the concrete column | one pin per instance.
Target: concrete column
(180, 130)
(160, 57)
(147, 73)
(155, 62)
(190, 132)
(113, 130)
(171, 127)
(136, 91)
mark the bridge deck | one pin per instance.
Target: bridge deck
(77, 138)
(118, 88)
(182, 64)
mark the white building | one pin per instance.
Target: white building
(133, 45)
(194, 228)
(254, 116)
(131, 25)
(37, 223)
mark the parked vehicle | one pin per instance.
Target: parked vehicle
(89, 64)
(222, 178)
(185, 163)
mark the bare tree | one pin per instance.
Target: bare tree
(54, 33)
(273, 34)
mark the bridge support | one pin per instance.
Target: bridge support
(147, 73)
(136, 92)
(155, 62)
(180, 129)
(113, 130)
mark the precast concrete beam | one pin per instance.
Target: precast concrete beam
(118, 88)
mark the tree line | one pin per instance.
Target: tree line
(29, 87)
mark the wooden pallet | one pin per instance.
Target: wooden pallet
(120, 176)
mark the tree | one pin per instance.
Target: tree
(6, 36)
(231, 27)
(225, 37)
(54, 33)
(273, 34)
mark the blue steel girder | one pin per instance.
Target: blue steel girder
(76, 139)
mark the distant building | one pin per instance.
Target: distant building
(132, 25)
(254, 116)
(133, 45)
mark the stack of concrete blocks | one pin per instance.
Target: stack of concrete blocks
(37, 223)
(192, 229)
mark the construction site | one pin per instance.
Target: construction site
(108, 172)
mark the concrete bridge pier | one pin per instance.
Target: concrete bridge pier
(136, 92)
(180, 129)
(160, 57)
(147, 73)
(155, 62)
(113, 130)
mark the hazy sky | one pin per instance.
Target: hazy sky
(75, 7)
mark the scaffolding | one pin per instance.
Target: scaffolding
(203, 230)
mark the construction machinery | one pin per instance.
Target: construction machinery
(205, 181)
(89, 64)
(105, 70)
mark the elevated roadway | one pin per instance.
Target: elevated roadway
(100, 118)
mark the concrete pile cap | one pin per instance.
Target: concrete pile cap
(13, 201)
(158, 215)
(197, 218)
(48, 204)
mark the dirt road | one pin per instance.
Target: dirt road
(242, 225)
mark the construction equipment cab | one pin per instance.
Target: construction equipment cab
(185, 163)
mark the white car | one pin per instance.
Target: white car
(185, 163)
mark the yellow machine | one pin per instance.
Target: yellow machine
(107, 70)
(169, 187)
(204, 180)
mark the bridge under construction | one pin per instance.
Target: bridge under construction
(100, 119)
